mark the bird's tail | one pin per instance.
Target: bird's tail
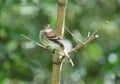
(68, 57)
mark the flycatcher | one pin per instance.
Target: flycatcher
(51, 39)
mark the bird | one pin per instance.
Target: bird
(51, 39)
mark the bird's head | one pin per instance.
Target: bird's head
(46, 26)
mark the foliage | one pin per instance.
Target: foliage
(23, 62)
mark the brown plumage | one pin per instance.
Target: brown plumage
(55, 37)
(48, 35)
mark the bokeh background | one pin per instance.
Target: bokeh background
(22, 62)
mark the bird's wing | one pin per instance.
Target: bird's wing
(52, 35)
(55, 37)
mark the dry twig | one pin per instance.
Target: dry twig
(89, 39)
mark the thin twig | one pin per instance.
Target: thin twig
(73, 35)
(33, 41)
(79, 46)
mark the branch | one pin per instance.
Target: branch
(57, 64)
(61, 16)
(82, 44)
(89, 39)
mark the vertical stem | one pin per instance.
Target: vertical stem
(61, 16)
(56, 71)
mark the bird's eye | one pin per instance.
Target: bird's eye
(59, 38)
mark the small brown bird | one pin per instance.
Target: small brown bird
(50, 38)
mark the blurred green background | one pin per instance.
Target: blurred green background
(22, 62)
